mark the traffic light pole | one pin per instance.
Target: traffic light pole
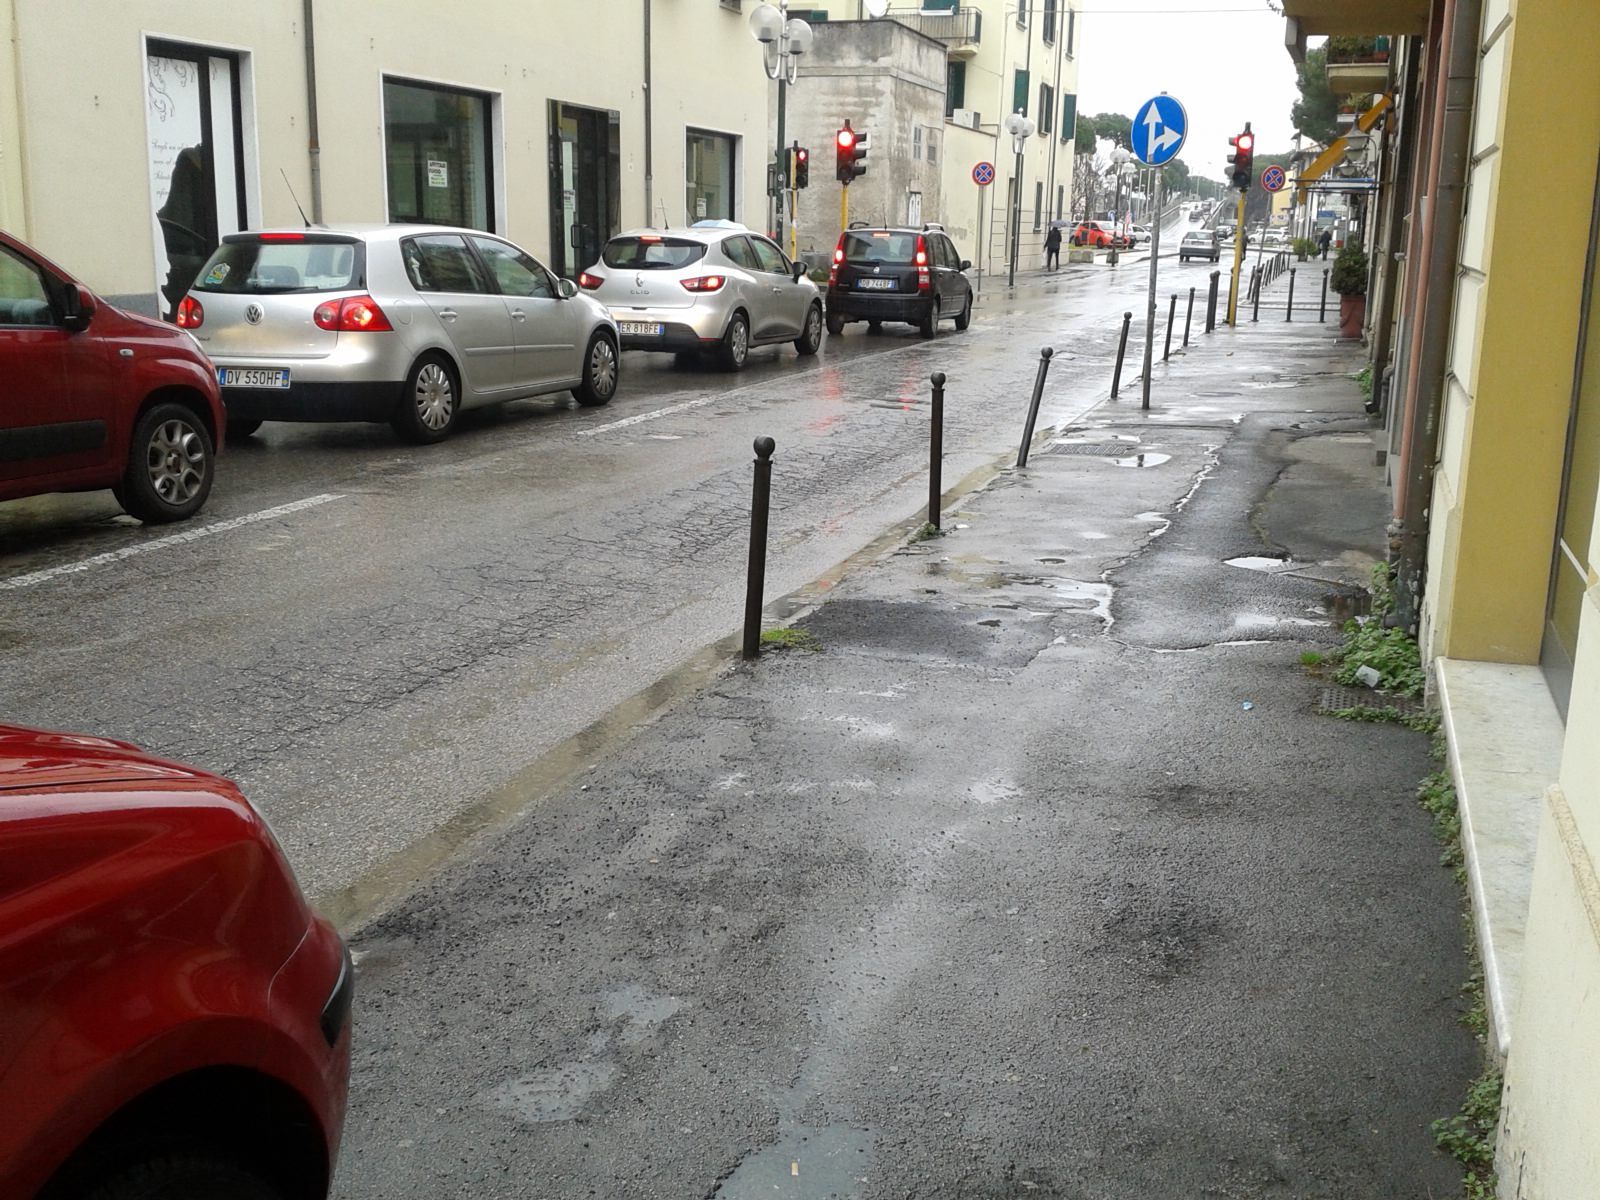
(1238, 259)
(844, 207)
(781, 155)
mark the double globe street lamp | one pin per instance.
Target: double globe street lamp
(1021, 128)
(784, 39)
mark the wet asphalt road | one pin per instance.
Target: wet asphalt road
(377, 640)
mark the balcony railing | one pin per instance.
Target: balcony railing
(957, 28)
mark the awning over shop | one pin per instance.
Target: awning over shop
(1335, 152)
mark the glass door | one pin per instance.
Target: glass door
(585, 184)
(196, 160)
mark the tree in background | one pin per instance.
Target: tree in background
(1086, 135)
(1116, 127)
(1315, 114)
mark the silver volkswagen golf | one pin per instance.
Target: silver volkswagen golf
(408, 324)
(714, 287)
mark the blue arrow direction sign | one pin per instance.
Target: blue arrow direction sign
(1158, 130)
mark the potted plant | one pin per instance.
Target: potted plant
(1304, 248)
(1349, 279)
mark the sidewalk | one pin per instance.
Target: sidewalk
(1044, 877)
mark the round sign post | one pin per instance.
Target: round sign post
(983, 176)
(1157, 134)
(1273, 179)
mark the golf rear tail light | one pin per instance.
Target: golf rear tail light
(351, 314)
(190, 314)
(589, 282)
(705, 283)
(923, 280)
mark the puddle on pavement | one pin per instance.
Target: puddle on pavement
(1052, 561)
(815, 1163)
(1260, 622)
(995, 790)
(553, 1094)
(1341, 606)
(1274, 384)
(1261, 562)
(1140, 460)
(642, 1011)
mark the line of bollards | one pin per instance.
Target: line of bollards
(1172, 311)
(1122, 348)
(936, 450)
(756, 577)
(1188, 317)
(1038, 394)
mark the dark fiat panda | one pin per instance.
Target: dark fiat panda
(892, 274)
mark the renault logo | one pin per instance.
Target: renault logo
(638, 281)
(253, 313)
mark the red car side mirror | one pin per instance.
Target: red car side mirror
(78, 307)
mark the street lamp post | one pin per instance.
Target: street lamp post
(1020, 128)
(783, 40)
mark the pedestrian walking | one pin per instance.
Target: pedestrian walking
(1324, 239)
(1052, 248)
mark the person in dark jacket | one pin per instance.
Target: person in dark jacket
(1324, 240)
(1052, 248)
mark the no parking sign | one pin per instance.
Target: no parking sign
(1273, 179)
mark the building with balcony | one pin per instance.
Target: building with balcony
(1483, 322)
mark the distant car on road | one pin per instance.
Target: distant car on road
(1198, 243)
(898, 274)
(1097, 234)
(712, 288)
(409, 324)
(174, 1019)
(1139, 235)
(96, 397)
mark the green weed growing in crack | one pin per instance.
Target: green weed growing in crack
(789, 638)
(1467, 1135)
(1310, 658)
(1421, 722)
(1390, 652)
(928, 530)
(1364, 381)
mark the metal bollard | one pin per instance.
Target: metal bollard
(1255, 307)
(1187, 317)
(756, 580)
(1322, 309)
(936, 450)
(1033, 407)
(1122, 346)
(1211, 302)
(1172, 311)
(1288, 309)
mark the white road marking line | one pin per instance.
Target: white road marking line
(176, 539)
(650, 416)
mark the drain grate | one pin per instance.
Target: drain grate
(1336, 698)
(1098, 449)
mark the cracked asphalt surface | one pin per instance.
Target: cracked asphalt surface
(1043, 877)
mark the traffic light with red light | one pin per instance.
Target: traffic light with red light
(1241, 163)
(849, 148)
(802, 167)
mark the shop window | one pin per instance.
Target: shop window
(438, 155)
(195, 154)
(709, 176)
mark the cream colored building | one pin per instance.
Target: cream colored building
(133, 133)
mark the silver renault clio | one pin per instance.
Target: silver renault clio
(408, 324)
(714, 287)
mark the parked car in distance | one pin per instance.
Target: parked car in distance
(1276, 237)
(1139, 235)
(174, 1018)
(1198, 243)
(714, 287)
(409, 324)
(1098, 234)
(96, 397)
(894, 273)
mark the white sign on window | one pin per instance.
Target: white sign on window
(438, 173)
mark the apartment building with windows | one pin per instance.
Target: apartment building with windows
(134, 135)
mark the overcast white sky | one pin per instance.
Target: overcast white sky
(1223, 59)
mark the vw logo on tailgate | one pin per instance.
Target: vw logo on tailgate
(253, 313)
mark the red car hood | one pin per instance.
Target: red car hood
(33, 758)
